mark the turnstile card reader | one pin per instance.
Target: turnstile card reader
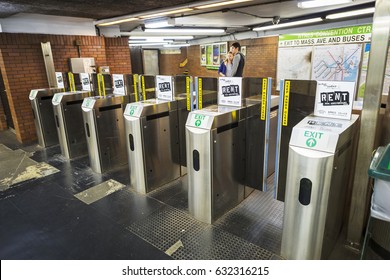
(41, 103)
(69, 122)
(215, 161)
(297, 100)
(319, 161)
(105, 131)
(152, 142)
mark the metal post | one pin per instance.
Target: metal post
(369, 118)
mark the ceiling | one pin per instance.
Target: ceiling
(233, 18)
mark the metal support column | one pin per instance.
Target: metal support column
(369, 118)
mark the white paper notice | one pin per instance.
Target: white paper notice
(164, 88)
(60, 80)
(229, 91)
(334, 99)
(119, 84)
(85, 82)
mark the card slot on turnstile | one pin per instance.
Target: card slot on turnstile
(157, 116)
(74, 102)
(87, 129)
(131, 141)
(46, 97)
(111, 107)
(196, 161)
(305, 187)
(227, 127)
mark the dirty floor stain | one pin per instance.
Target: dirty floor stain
(98, 192)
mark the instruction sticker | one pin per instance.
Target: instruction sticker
(119, 84)
(199, 120)
(85, 82)
(312, 139)
(229, 91)
(88, 103)
(57, 98)
(286, 100)
(264, 99)
(60, 80)
(33, 94)
(164, 88)
(133, 110)
(200, 94)
(188, 94)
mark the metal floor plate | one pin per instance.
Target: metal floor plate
(167, 225)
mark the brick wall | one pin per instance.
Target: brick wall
(170, 63)
(23, 68)
(261, 60)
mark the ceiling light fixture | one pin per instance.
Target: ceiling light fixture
(287, 24)
(187, 30)
(351, 13)
(160, 23)
(176, 45)
(306, 4)
(146, 44)
(182, 37)
(167, 13)
(117, 21)
(149, 41)
(221, 4)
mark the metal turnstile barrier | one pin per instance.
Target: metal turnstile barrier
(318, 170)
(104, 128)
(146, 87)
(217, 151)
(69, 123)
(41, 102)
(297, 98)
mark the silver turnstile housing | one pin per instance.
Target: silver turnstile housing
(316, 186)
(69, 123)
(43, 116)
(105, 131)
(215, 161)
(152, 141)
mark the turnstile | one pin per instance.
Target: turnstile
(104, 128)
(297, 99)
(43, 115)
(319, 161)
(218, 150)
(69, 122)
(146, 87)
(101, 84)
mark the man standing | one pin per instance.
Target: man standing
(238, 60)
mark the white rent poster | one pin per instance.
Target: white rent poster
(164, 88)
(85, 83)
(119, 84)
(229, 91)
(60, 80)
(334, 99)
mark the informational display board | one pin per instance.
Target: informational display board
(88, 103)
(229, 91)
(85, 82)
(119, 84)
(60, 80)
(133, 110)
(334, 99)
(164, 88)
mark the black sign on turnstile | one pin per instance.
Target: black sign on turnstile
(297, 100)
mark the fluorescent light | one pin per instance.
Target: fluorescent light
(287, 24)
(221, 4)
(146, 44)
(182, 37)
(160, 23)
(167, 13)
(185, 30)
(305, 4)
(117, 21)
(149, 41)
(351, 13)
(176, 46)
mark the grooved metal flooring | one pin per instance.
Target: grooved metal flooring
(166, 226)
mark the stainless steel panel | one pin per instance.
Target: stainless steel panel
(228, 169)
(200, 181)
(272, 141)
(136, 154)
(369, 118)
(161, 149)
(304, 225)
